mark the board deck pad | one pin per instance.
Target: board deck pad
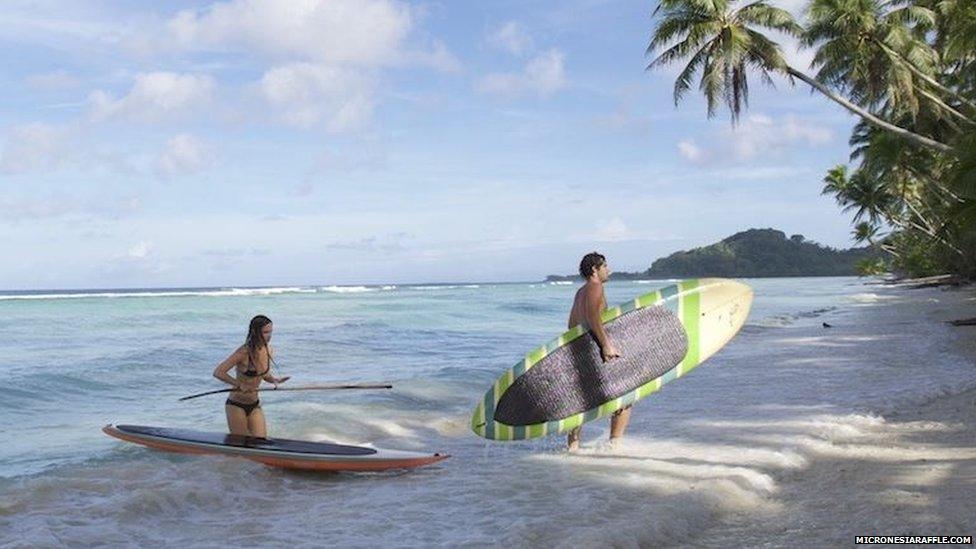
(573, 378)
(238, 441)
(275, 452)
(661, 336)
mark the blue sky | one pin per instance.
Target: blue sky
(254, 142)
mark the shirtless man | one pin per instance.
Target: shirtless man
(587, 306)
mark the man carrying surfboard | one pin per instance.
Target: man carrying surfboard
(589, 302)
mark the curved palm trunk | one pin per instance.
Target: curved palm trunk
(928, 79)
(915, 138)
(926, 229)
(890, 249)
(941, 104)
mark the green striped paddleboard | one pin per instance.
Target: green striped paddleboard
(661, 336)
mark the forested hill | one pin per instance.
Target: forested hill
(753, 253)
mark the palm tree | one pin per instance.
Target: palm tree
(865, 232)
(957, 34)
(868, 232)
(875, 54)
(723, 43)
(955, 41)
(867, 196)
(879, 200)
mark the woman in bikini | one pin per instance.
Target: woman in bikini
(252, 363)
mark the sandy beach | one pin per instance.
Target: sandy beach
(806, 475)
(907, 471)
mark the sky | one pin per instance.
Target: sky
(262, 143)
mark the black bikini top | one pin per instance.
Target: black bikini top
(253, 372)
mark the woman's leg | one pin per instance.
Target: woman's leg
(255, 424)
(236, 420)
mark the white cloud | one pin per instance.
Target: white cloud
(55, 206)
(358, 32)
(320, 59)
(154, 97)
(370, 155)
(304, 94)
(389, 243)
(36, 147)
(184, 154)
(761, 134)
(758, 173)
(236, 253)
(690, 151)
(54, 80)
(139, 251)
(511, 37)
(611, 231)
(437, 57)
(758, 136)
(543, 75)
(305, 189)
(61, 205)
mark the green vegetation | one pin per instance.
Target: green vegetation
(758, 253)
(906, 68)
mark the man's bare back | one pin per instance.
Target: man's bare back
(578, 313)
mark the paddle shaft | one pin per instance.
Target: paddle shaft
(303, 388)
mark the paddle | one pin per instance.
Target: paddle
(304, 388)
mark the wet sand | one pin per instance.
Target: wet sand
(910, 471)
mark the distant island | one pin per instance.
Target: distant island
(754, 253)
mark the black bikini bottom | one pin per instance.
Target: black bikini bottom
(248, 408)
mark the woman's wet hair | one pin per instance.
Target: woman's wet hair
(591, 262)
(255, 337)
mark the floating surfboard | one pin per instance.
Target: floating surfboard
(276, 452)
(661, 336)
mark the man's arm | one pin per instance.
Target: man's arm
(594, 306)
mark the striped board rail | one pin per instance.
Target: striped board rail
(661, 336)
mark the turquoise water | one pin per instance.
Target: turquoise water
(73, 362)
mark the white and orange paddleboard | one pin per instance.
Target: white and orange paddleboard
(276, 452)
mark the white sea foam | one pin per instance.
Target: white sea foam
(347, 289)
(446, 287)
(560, 283)
(870, 298)
(223, 292)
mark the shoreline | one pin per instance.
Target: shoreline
(910, 470)
(796, 432)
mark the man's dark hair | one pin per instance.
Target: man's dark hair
(590, 262)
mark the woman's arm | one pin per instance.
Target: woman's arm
(270, 378)
(222, 369)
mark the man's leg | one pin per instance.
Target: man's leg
(573, 439)
(618, 424)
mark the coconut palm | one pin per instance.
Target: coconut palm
(957, 32)
(722, 42)
(865, 232)
(877, 54)
(955, 41)
(867, 196)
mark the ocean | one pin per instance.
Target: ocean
(718, 442)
